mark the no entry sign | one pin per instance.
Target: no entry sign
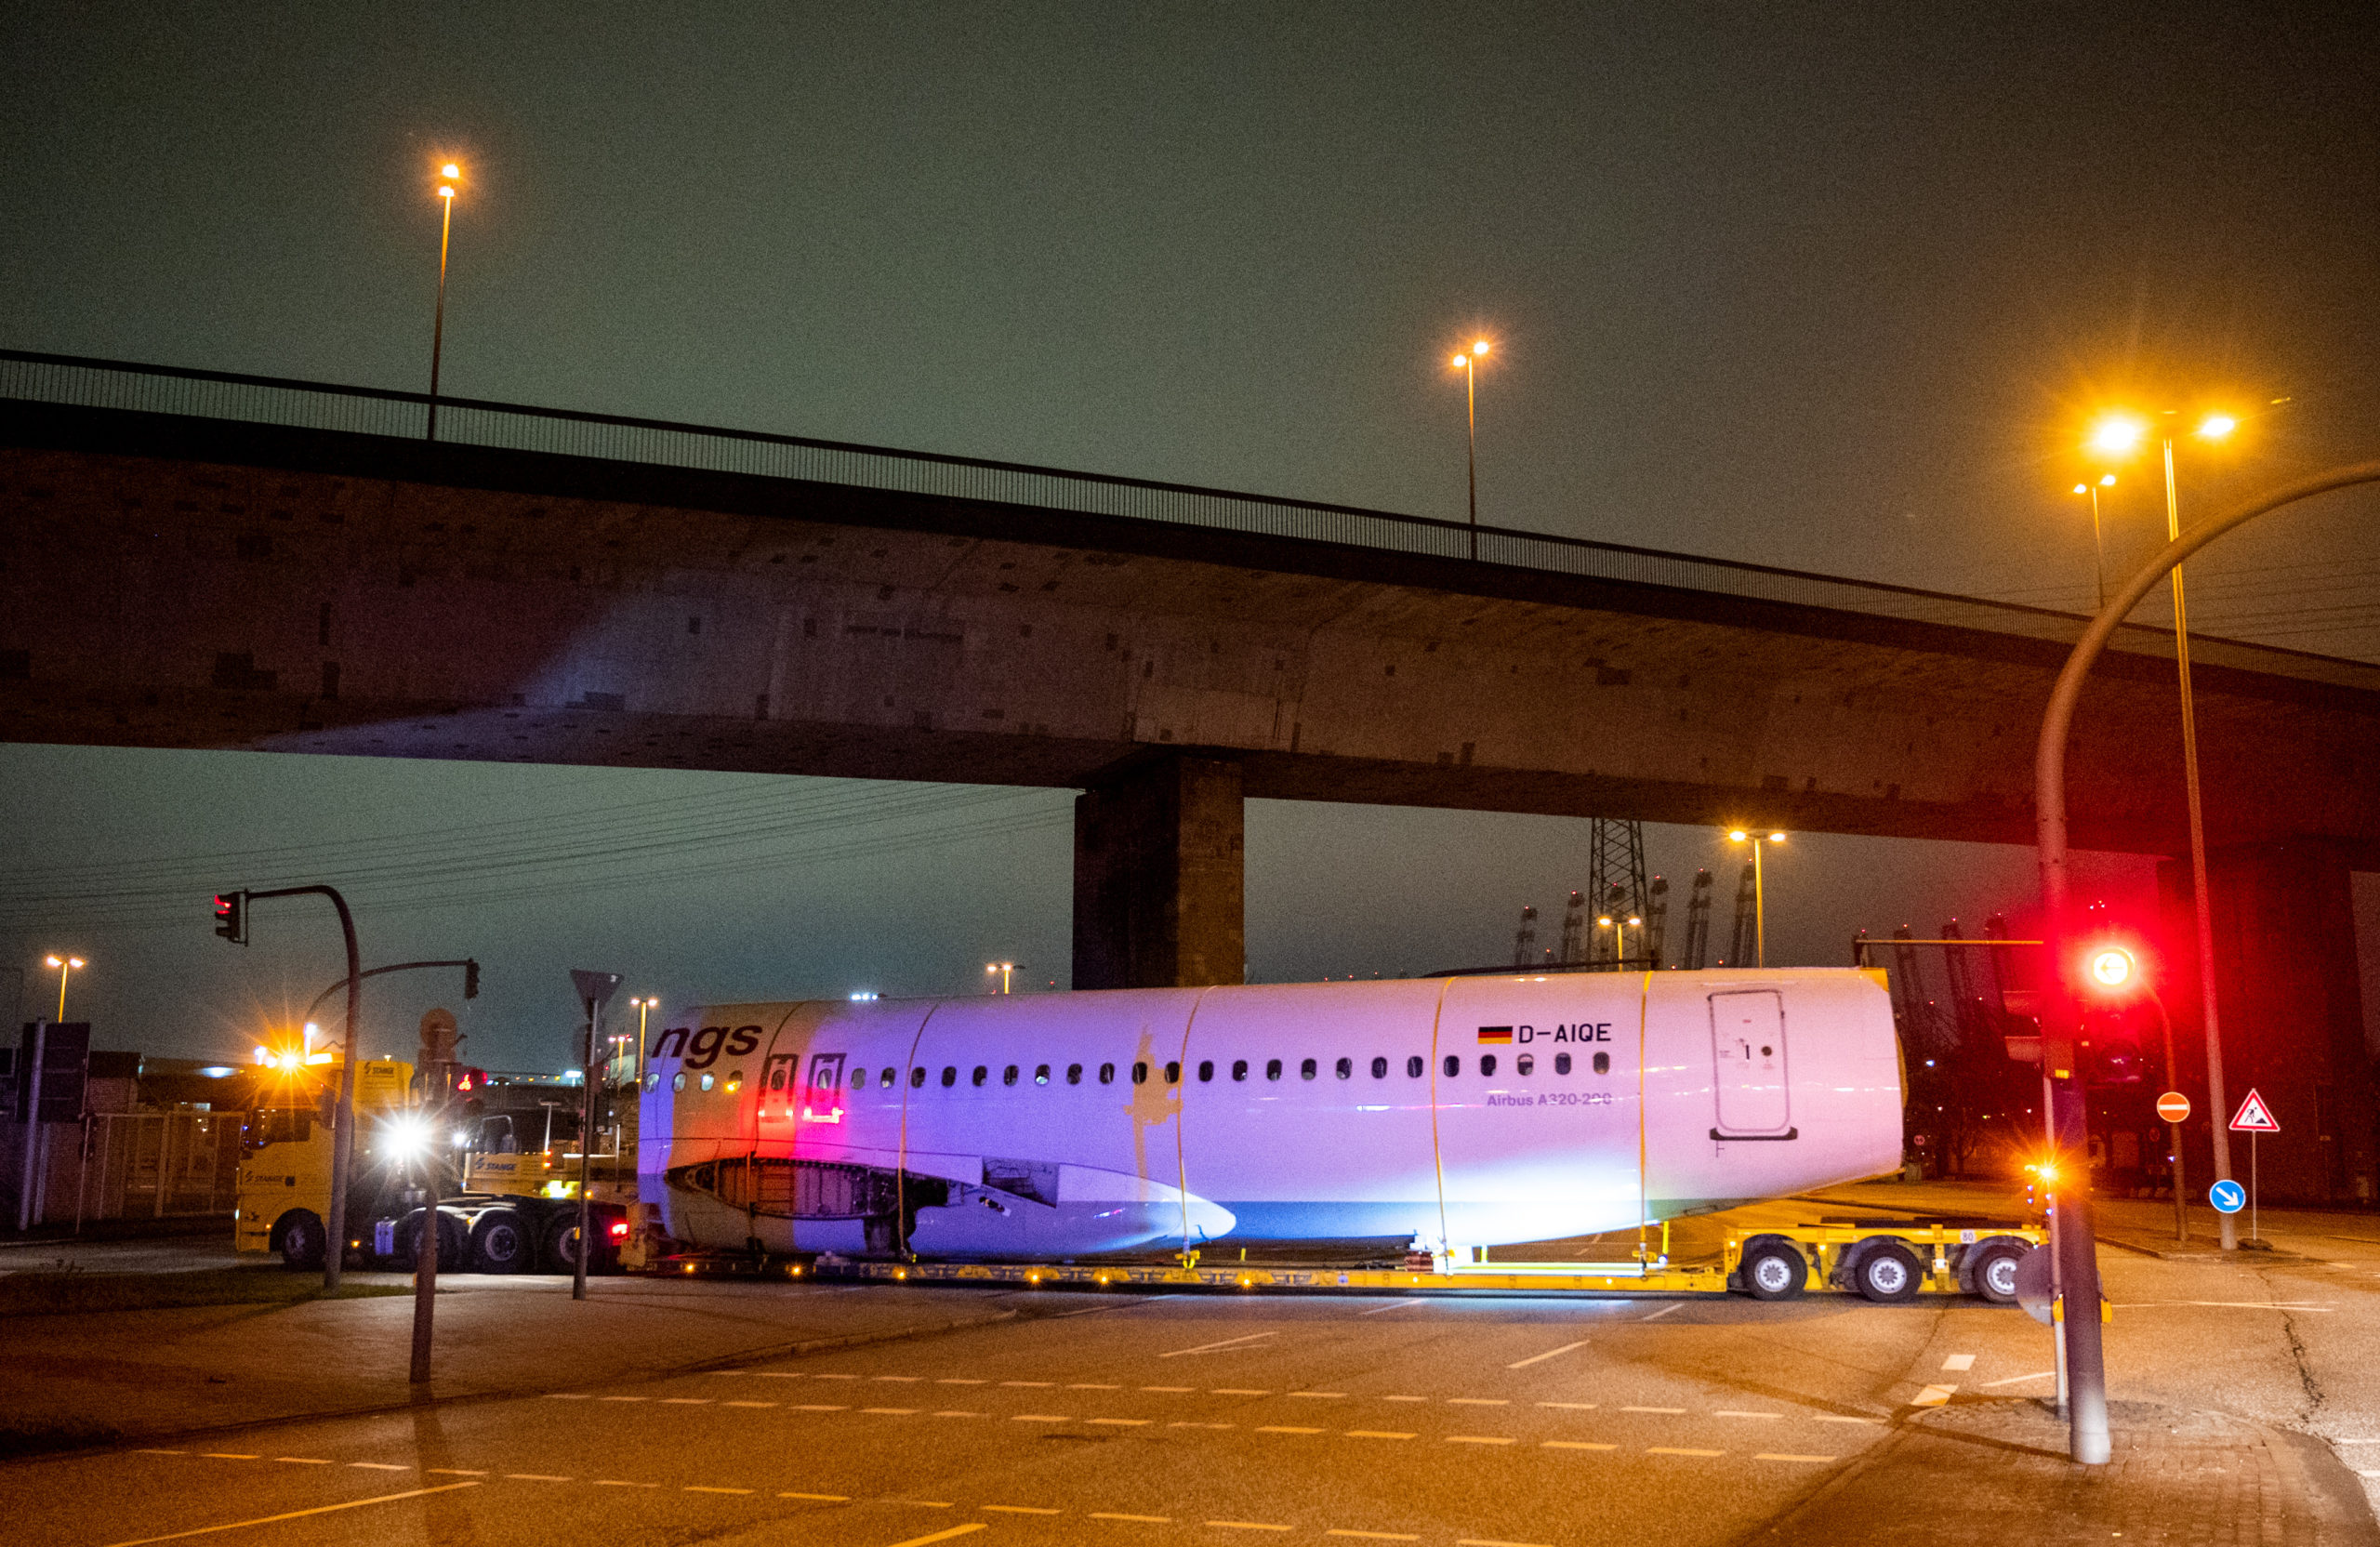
(2174, 1108)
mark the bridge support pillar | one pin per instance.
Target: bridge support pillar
(1158, 896)
(2294, 1024)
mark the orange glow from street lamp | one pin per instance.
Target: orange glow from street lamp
(1480, 348)
(2216, 426)
(450, 171)
(1460, 360)
(2118, 434)
(445, 192)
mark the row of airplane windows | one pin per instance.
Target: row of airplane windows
(1524, 1065)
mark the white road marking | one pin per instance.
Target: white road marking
(2037, 1375)
(1028, 1382)
(615, 1482)
(748, 1404)
(1040, 1417)
(1839, 1418)
(1479, 1401)
(1169, 1388)
(960, 1381)
(906, 1378)
(565, 1397)
(819, 1408)
(1675, 1451)
(378, 1466)
(1317, 1394)
(1404, 1399)
(1933, 1396)
(1244, 1526)
(1724, 1412)
(1014, 1509)
(1400, 1306)
(1189, 1425)
(902, 1412)
(453, 1472)
(696, 1487)
(1652, 1409)
(967, 1529)
(1775, 1456)
(1575, 1406)
(1376, 1433)
(1573, 1444)
(956, 1412)
(783, 1374)
(1144, 1519)
(294, 1514)
(533, 1478)
(302, 1460)
(1479, 1439)
(1088, 1386)
(1534, 1358)
(622, 1399)
(226, 1456)
(819, 1498)
(1664, 1311)
(1284, 1429)
(834, 1377)
(1959, 1362)
(685, 1401)
(1126, 1422)
(1227, 1342)
(1374, 1536)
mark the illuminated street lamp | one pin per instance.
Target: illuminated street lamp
(1619, 928)
(2098, 548)
(1467, 363)
(448, 175)
(643, 1008)
(65, 965)
(1759, 901)
(2117, 434)
(1006, 971)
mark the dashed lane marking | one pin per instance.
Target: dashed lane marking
(971, 1527)
(1662, 1312)
(1126, 1422)
(1016, 1509)
(1549, 1353)
(957, 1412)
(226, 1456)
(615, 1482)
(1479, 1401)
(1377, 1434)
(1573, 1444)
(1778, 1456)
(1236, 1390)
(1404, 1399)
(901, 1412)
(1187, 1425)
(748, 1404)
(1040, 1417)
(960, 1381)
(1959, 1362)
(904, 1379)
(454, 1472)
(1843, 1418)
(820, 1498)
(834, 1376)
(1678, 1451)
(620, 1399)
(302, 1460)
(566, 1396)
(294, 1514)
(820, 1407)
(1652, 1409)
(697, 1488)
(685, 1401)
(1213, 1347)
(1317, 1394)
(1479, 1439)
(1028, 1382)
(923, 1504)
(1575, 1406)
(1373, 1535)
(2014, 1379)
(378, 1466)
(155, 1452)
(1141, 1519)
(1090, 1385)
(1284, 1429)
(533, 1477)
(1245, 1526)
(1400, 1306)
(1169, 1388)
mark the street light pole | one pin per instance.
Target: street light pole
(438, 325)
(2203, 905)
(64, 965)
(1468, 361)
(2098, 548)
(1759, 892)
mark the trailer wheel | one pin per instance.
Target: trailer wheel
(1994, 1271)
(1887, 1273)
(562, 1245)
(301, 1237)
(501, 1242)
(1775, 1270)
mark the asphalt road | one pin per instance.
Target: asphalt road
(1190, 1418)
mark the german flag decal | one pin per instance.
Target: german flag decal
(1494, 1036)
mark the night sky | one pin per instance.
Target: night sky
(1833, 288)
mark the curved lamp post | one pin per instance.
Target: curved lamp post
(2078, 1264)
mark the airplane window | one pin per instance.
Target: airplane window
(736, 1081)
(1239, 1069)
(1346, 1069)
(1488, 1066)
(1008, 1075)
(1107, 1074)
(677, 1082)
(1140, 1074)
(949, 1076)
(1306, 1069)
(1561, 1062)
(888, 1078)
(1525, 1066)
(1174, 1074)
(1603, 1063)
(1206, 1068)
(1271, 1069)
(652, 1082)
(981, 1071)
(708, 1082)
(859, 1080)
(1380, 1068)
(1041, 1074)
(1453, 1065)
(916, 1076)
(1074, 1074)
(1413, 1067)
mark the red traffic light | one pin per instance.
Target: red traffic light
(231, 917)
(2111, 968)
(470, 1080)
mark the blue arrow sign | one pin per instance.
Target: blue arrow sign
(2228, 1197)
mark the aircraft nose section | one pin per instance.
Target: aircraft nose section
(1208, 1222)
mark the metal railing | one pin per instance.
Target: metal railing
(28, 375)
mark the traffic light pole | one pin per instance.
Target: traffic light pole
(343, 1132)
(2061, 1026)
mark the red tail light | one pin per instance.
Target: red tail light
(619, 1229)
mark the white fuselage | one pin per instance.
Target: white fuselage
(1459, 1111)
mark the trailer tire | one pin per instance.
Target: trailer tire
(1775, 1270)
(298, 1236)
(502, 1242)
(1887, 1273)
(561, 1245)
(1994, 1271)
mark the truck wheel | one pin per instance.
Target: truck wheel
(453, 1244)
(301, 1241)
(501, 1243)
(1995, 1274)
(1887, 1273)
(1775, 1270)
(562, 1245)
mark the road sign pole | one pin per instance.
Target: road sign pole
(2256, 1231)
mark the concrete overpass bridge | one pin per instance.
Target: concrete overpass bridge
(200, 560)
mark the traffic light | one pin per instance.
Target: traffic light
(470, 1080)
(231, 917)
(2110, 1048)
(470, 980)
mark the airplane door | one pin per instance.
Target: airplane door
(1748, 1066)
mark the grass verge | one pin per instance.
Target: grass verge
(37, 1293)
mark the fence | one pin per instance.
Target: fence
(156, 1165)
(31, 377)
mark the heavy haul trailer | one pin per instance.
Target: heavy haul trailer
(1889, 1262)
(283, 1189)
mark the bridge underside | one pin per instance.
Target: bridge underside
(198, 583)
